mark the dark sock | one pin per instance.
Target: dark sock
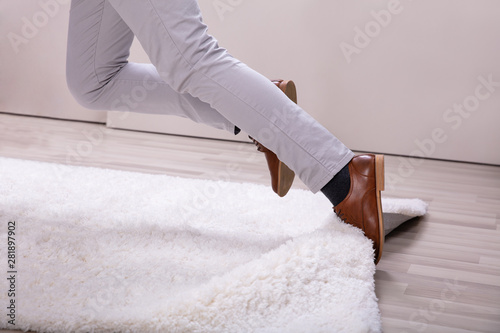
(337, 189)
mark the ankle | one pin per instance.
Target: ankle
(337, 189)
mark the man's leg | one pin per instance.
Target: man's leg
(190, 61)
(100, 77)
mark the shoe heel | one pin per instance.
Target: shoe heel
(290, 90)
(379, 172)
(380, 186)
(285, 179)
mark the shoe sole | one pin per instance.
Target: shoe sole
(380, 186)
(285, 174)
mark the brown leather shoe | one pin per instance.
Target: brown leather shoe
(281, 176)
(362, 207)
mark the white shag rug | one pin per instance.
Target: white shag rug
(110, 251)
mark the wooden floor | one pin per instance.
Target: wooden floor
(440, 273)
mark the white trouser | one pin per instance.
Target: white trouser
(190, 76)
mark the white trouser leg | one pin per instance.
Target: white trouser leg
(100, 77)
(191, 62)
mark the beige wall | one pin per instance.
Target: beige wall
(33, 37)
(395, 93)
